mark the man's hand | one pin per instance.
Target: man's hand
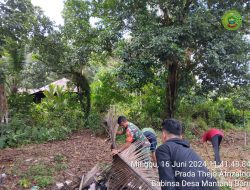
(114, 152)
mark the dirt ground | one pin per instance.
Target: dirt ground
(79, 153)
(235, 158)
(83, 150)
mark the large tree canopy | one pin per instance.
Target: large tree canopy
(20, 23)
(183, 43)
(183, 40)
(71, 50)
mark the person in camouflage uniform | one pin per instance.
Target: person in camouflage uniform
(133, 134)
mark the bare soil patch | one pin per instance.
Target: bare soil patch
(79, 154)
(82, 151)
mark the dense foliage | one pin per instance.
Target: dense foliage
(151, 59)
(183, 40)
(53, 119)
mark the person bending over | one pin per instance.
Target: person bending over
(215, 136)
(133, 134)
(150, 134)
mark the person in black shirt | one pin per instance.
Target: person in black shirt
(180, 168)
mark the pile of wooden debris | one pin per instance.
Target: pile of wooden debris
(121, 174)
(96, 178)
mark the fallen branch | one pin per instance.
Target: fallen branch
(81, 184)
(90, 176)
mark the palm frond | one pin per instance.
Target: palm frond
(130, 170)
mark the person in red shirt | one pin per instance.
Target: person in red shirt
(215, 136)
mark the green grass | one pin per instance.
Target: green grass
(24, 182)
(226, 188)
(58, 158)
(60, 166)
(43, 181)
(60, 162)
(42, 174)
(39, 174)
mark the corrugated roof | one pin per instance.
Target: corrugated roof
(62, 83)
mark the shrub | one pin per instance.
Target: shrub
(56, 116)
(53, 119)
(39, 174)
(227, 125)
(20, 103)
(146, 107)
(14, 133)
(106, 91)
(220, 113)
(94, 123)
(201, 123)
(143, 107)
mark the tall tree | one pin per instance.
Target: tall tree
(181, 40)
(20, 21)
(69, 50)
(3, 100)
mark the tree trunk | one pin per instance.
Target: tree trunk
(84, 93)
(3, 105)
(171, 88)
(244, 126)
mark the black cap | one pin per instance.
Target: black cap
(172, 126)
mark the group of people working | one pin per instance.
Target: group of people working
(175, 159)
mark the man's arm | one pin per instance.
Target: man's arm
(125, 146)
(153, 145)
(129, 140)
(121, 132)
(153, 156)
(165, 169)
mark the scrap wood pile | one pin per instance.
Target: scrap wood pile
(121, 174)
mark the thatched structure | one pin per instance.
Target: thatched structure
(39, 93)
(122, 174)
